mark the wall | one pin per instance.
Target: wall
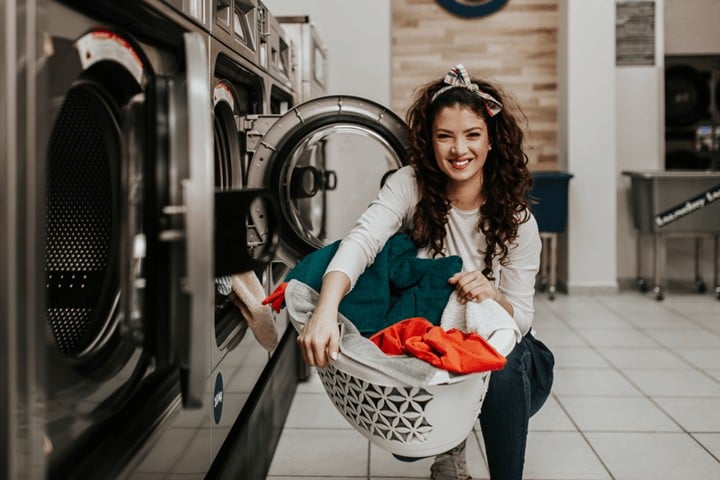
(357, 37)
(587, 120)
(516, 46)
(691, 26)
(640, 142)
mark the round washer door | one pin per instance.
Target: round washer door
(325, 161)
(687, 95)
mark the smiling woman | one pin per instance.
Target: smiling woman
(465, 194)
(472, 8)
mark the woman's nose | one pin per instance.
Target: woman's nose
(459, 148)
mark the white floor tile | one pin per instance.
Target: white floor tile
(674, 383)
(306, 452)
(578, 357)
(656, 456)
(709, 321)
(551, 418)
(561, 456)
(560, 337)
(314, 410)
(704, 358)
(711, 441)
(592, 382)
(685, 339)
(644, 358)
(617, 414)
(694, 414)
(617, 337)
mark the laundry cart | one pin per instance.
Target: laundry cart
(550, 191)
(675, 204)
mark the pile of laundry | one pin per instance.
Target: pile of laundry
(402, 317)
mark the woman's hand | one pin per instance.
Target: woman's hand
(473, 286)
(320, 337)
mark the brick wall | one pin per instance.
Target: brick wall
(516, 47)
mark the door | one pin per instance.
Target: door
(324, 162)
(129, 241)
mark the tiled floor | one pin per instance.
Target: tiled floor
(636, 396)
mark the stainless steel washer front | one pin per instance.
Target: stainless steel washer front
(324, 160)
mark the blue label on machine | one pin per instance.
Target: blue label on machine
(218, 398)
(687, 207)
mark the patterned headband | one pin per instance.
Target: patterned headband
(458, 77)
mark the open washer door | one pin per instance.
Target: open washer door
(325, 161)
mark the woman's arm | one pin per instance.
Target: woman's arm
(517, 279)
(319, 339)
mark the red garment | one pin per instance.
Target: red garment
(276, 298)
(452, 350)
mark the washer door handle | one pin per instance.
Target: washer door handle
(305, 182)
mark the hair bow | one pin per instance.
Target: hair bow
(457, 76)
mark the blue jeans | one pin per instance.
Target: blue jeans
(515, 394)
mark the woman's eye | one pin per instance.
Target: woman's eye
(474, 135)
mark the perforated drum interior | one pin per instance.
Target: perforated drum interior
(82, 227)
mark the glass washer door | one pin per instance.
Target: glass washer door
(325, 161)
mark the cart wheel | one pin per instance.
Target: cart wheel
(642, 285)
(700, 285)
(717, 292)
(658, 293)
(542, 286)
(551, 293)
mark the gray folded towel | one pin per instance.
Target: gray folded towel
(300, 301)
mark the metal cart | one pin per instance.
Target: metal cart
(678, 204)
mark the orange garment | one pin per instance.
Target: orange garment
(452, 350)
(276, 298)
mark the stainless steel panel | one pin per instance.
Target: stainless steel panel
(23, 98)
(654, 192)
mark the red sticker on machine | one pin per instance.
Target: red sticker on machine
(102, 45)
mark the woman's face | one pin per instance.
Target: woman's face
(461, 144)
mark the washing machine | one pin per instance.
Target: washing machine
(692, 112)
(324, 162)
(199, 12)
(129, 239)
(309, 65)
(282, 89)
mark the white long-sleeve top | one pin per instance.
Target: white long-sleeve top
(392, 211)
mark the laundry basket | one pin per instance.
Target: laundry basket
(408, 421)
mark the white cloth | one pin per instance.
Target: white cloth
(392, 211)
(483, 318)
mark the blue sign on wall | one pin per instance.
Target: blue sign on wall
(472, 8)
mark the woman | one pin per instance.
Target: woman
(464, 193)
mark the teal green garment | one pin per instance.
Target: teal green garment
(397, 286)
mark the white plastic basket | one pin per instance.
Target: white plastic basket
(408, 421)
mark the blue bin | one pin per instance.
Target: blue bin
(550, 190)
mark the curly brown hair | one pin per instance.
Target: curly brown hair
(507, 179)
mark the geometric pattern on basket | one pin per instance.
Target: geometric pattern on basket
(392, 413)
